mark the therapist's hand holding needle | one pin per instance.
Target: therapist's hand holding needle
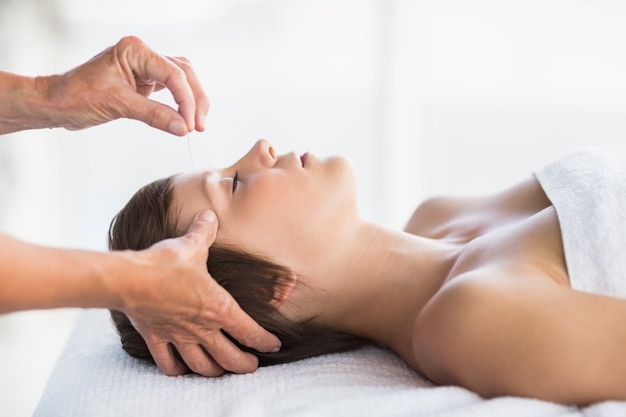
(166, 289)
(114, 84)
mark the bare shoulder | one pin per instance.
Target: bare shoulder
(520, 334)
(468, 217)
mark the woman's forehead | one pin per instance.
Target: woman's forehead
(189, 196)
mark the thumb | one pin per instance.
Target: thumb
(156, 114)
(203, 228)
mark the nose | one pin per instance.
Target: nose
(264, 150)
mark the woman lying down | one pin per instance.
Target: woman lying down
(476, 292)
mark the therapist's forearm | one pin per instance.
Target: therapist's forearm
(25, 103)
(39, 277)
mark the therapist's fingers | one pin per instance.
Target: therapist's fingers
(149, 67)
(155, 114)
(201, 233)
(227, 355)
(199, 361)
(164, 357)
(202, 101)
(248, 332)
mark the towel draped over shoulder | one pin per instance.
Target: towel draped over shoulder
(588, 190)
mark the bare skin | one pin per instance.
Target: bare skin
(482, 300)
(473, 292)
(506, 321)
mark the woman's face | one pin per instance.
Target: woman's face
(285, 207)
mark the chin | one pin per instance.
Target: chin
(344, 179)
(341, 165)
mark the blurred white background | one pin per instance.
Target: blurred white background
(426, 97)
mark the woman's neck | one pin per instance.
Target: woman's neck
(376, 284)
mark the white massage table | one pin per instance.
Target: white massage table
(94, 378)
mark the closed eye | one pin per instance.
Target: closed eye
(235, 181)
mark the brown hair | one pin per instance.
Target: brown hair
(251, 279)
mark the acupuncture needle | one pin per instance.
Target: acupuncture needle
(193, 168)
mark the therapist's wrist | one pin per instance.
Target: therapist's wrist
(131, 281)
(25, 103)
(121, 277)
(52, 105)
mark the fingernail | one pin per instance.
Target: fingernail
(209, 216)
(178, 128)
(275, 350)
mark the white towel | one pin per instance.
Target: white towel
(95, 378)
(588, 190)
